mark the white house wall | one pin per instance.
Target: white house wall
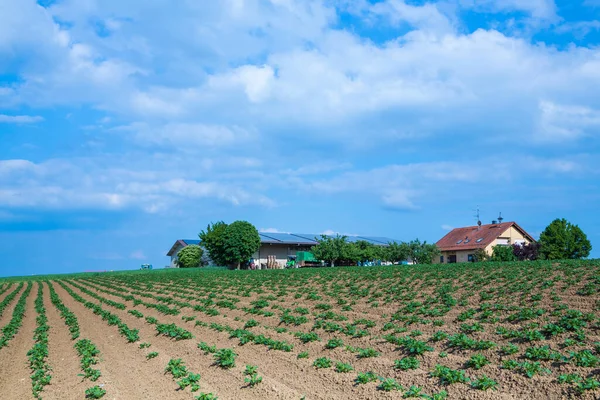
(280, 251)
(174, 256)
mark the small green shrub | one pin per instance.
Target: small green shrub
(407, 363)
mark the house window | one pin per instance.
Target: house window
(471, 258)
(441, 259)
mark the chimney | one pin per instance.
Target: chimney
(494, 222)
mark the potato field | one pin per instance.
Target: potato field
(526, 330)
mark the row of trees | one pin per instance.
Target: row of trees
(338, 251)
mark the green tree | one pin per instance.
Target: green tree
(213, 240)
(480, 255)
(240, 243)
(422, 253)
(562, 240)
(333, 250)
(396, 252)
(362, 250)
(503, 253)
(190, 256)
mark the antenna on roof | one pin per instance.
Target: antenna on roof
(500, 218)
(478, 219)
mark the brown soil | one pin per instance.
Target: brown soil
(511, 385)
(124, 375)
(127, 374)
(15, 383)
(63, 358)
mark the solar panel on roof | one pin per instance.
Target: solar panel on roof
(267, 239)
(309, 236)
(286, 238)
(377, 239)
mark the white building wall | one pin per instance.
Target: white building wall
(280, 251)
(174, 257)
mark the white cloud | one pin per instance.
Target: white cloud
(427, 17)
(187, 136)
(90, 184)
(20, 119)
(447, 227)
(559, 123)
(234, 100)
(398, 200)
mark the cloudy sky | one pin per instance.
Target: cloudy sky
(127, 125)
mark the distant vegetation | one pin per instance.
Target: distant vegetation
(338, 251)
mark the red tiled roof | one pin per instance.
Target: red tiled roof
(487, 234)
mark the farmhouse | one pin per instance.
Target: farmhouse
(460, 244)
(176, 248)
(280, 246)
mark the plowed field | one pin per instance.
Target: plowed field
(472, 331)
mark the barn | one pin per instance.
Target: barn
(280, 246)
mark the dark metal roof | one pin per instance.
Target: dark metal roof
(313, 238)
(306, 239)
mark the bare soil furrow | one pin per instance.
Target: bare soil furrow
(298, 376)
(15, 383)
(124, 375)
(63, 358)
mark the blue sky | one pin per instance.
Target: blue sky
(126, 126)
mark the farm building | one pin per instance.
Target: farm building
(176, 248)
(280, 246)
(460, 244)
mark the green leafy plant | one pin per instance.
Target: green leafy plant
(407, 363)
(333, 343)
(477, 361)
(343, 367)
(225, 358)
(322, 362)
(366, 377)
(367, 353)
(449, 376)
(484, 383)
(206, 396)
(95, 392)
(389, 384)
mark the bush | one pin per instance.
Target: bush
(190, 256)
(562, 240)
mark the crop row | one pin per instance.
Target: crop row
(8, 299)
(39, 352)
(10, 330)
(132, 335)
(65, 313)
(4, 288)
(101, 299)
(136, 301)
